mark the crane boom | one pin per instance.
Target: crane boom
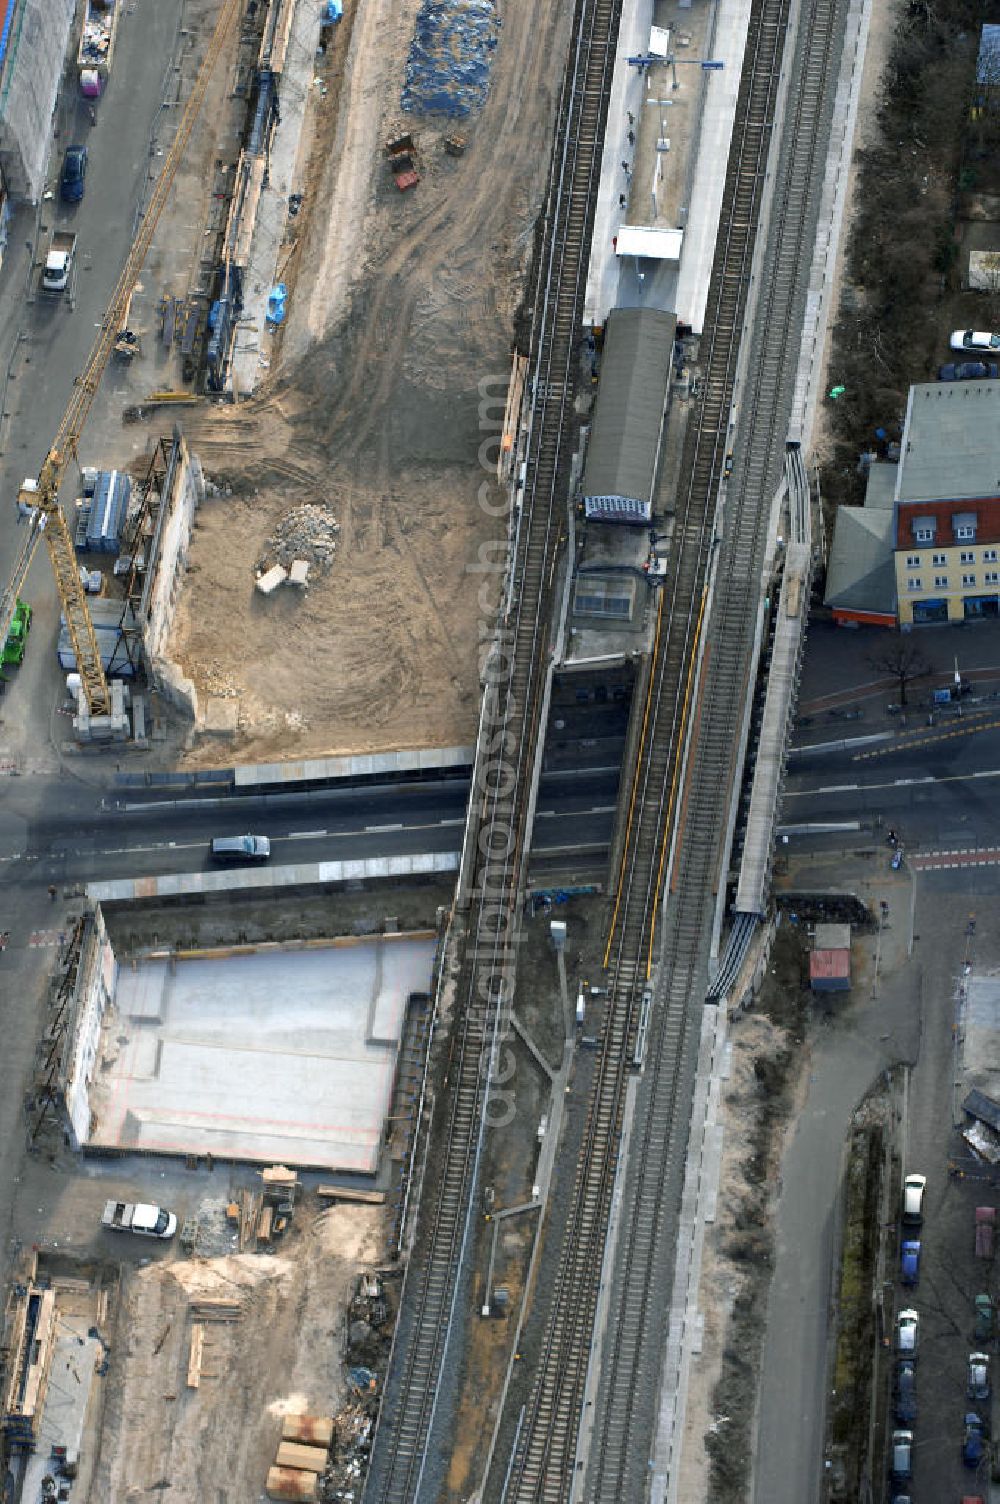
(45, 517)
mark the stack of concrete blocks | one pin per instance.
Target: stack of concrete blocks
(30, 73)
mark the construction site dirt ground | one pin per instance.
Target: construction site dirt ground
(388, 376)
(284, 1356)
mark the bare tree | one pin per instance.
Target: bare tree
(903, 660)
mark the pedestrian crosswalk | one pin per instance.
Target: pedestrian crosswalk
(964, 856)
(39, 938)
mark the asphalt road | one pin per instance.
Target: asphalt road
(45, 343)
(65, 833)
(936, 786)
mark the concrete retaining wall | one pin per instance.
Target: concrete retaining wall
(184, 489)
(95, 989)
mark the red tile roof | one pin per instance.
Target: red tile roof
(829, 963)
(986, 510)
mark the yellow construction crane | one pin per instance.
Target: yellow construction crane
(45, 515)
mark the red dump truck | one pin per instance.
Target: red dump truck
(986, 1217)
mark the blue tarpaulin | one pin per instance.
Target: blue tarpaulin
(448, 70)
(334, 11)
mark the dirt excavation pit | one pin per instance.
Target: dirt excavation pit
(379, 392)
(378, 651)
(282, 1356)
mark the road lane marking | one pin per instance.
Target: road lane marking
(895, 783)
(924, 740)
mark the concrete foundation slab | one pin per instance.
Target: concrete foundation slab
(270, 1054)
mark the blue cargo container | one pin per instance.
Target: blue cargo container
(108, 511)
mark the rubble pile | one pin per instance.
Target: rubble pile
(307, 532)
(370, 1320)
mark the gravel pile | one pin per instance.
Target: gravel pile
(308, 532)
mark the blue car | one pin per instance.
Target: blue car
(970, 370)
(974, 1441)
(904, 1399)
(909, 1270)
(72, 180)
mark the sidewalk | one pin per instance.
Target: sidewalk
(841, 667)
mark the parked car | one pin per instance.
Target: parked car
(909, 1262)
(986, 1217)
(907, 1333)
(902, 1456)
(984, 1318)
(913, 1200)
(974, 1440)
(904, 1394)
(975, 339)
(970, 370)
(979, 1376)
(73, 178)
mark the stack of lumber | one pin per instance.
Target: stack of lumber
(314, 1430)
(303, 1455)
(297, 1454)
(215, 1308)
(250, 1205)
(292, 1483)
(196, 1354)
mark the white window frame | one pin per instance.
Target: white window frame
(939, 559)
(968, 581)
(965, 533)
(967, 556)
(940, 582)
(991, 577)
(924, 534)
(914, 583)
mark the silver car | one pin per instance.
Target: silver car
(902, 1456)
(907, 1333)
(979, 1376)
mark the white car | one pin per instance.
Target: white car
(907, 1333)
(913, 1200)
(975, 339)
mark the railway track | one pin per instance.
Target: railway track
(403, 1464)
(545, 1460)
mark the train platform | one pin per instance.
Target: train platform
(624, 109)
(666, 148)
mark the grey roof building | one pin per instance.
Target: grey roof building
(34, 35)
(624, 447)
(951, 441)
(861, 573)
